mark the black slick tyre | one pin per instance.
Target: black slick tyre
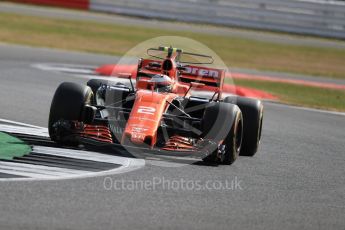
(67, 105)
(252, 111)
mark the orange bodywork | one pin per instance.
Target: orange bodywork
(96, 132)
(145, 116)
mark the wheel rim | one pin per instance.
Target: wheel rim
(260, 127)
(238, 133)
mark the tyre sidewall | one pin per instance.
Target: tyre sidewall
(252, 111)
(68, 103)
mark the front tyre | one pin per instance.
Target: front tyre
(68, 105)
(223, 124)
(252, 111)
(233, 141)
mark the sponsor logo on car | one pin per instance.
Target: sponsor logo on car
(201, 72)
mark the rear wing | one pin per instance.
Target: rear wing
(211, 77)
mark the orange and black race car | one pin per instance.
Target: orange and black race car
(157, 113)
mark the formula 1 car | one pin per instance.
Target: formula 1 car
(158, 114)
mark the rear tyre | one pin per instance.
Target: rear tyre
(252, 111)
(222, 123)
(68, 105)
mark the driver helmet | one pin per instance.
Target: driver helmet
(161, 83)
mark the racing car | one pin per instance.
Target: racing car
(159, 113)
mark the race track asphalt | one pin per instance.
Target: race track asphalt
(296, 181)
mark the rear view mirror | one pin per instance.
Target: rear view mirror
(126, 76)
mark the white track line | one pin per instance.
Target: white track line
(40, 172)
(13, 168)
(82, 155)
(33, 166)
(131, 166)
(31, 176)
(20, 123)
(73, 69)
(42, 132)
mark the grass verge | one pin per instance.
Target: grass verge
(300, 95)
(117, 39)
(11, 147)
